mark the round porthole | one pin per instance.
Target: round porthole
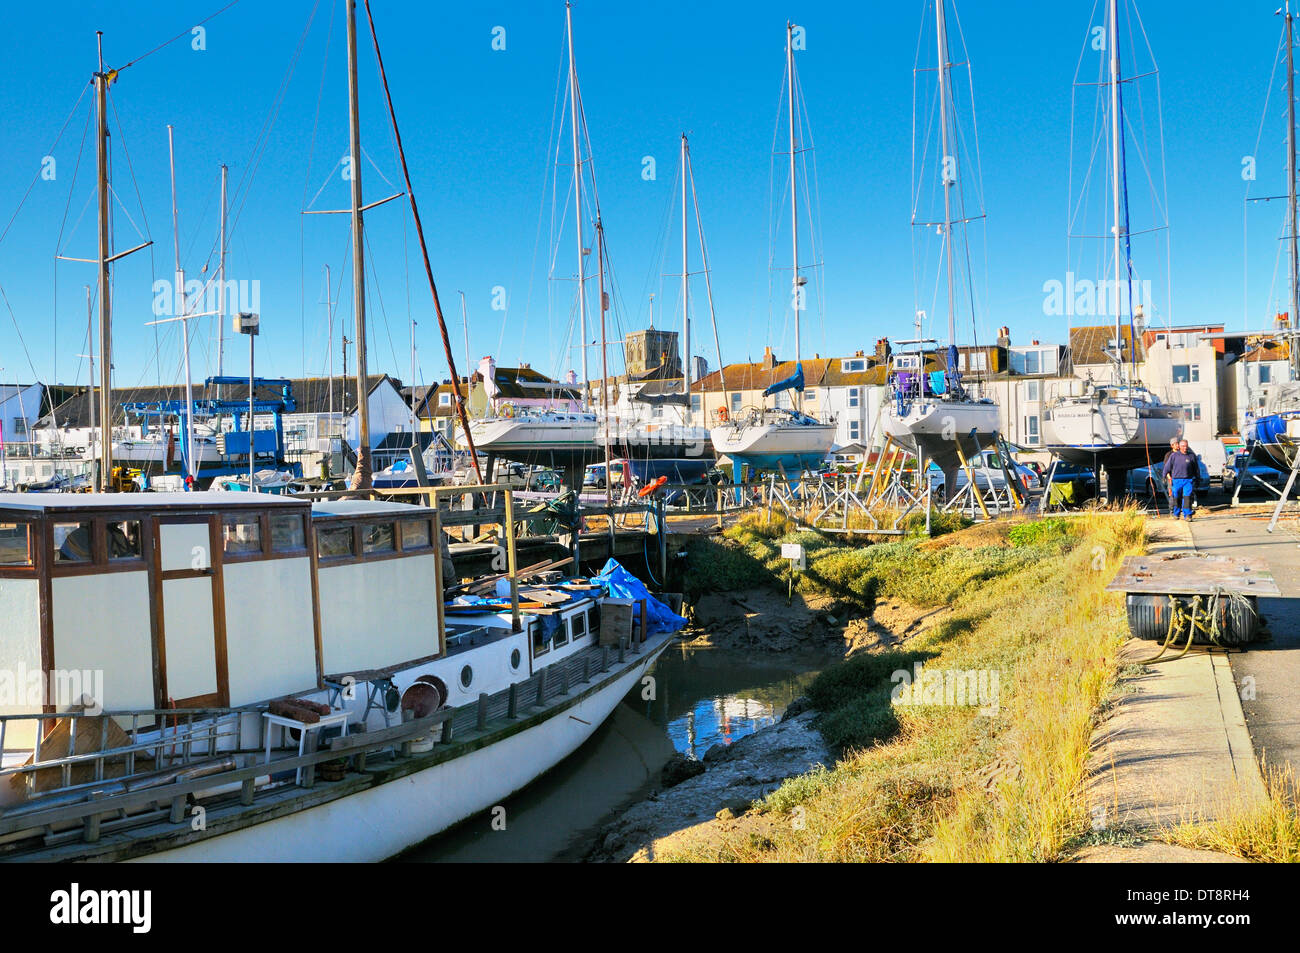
(466, 676)
(515, 659)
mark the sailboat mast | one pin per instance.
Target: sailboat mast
(183, 307)
(221, 287)
(1116, 130)
(1291, 191)
(90, 346)
(358, 244)
(577, 203)
(105, 309)
(797, 296)
(604, 370)
(686, 316)
(947, 170)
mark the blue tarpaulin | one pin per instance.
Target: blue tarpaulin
(793, 382)
(621, 584)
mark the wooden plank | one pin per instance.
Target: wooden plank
(1186, 573)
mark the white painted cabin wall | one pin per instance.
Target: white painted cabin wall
(20, 647)
(270, 632)
(101, 622)
(376, 614)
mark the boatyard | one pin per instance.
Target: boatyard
(550, 434)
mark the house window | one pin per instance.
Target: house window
(444, 400)
(1193, 412)
(855, 394)
(1265, 374)
(735, 403)
(1033, 390)
(854, 430)
(695, 403)
(20, 427)
(1031, 429)
(810, 395)
(1187, 373)
(979, 361)
(853, 365)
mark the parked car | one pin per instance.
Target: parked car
(1251, 475)
(1145, 481)
(988, 474)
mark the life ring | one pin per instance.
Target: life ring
(651, 487)
(507, 411)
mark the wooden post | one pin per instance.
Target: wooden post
(481, 722)
(541, 687)
(511, 565)
(512, 702)
(662, 516)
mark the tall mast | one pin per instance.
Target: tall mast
(577, 202)
(1116, 130)
(183, 308)
(949, 180)
(105, 309)
(90, 346)
(329, 346)
(797, 296)
(221, 286)
(1291, 192)
(686, 315)
(464, 320)
(358, 245)
(604, 370)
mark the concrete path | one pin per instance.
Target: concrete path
(1175, 747)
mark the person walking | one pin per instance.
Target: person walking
(1181, 468)
(1164, 472)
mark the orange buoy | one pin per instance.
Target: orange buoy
(651, 487)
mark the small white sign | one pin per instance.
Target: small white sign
(794, 552)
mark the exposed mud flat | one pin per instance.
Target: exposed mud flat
(691, 812)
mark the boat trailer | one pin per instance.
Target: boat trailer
(1193, 598)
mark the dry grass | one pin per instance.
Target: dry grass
(1266, 830)
(945, 782)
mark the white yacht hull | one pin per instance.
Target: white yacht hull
(379, 822)
(563, 440)
(938, 429)
(649, 440)
(771, 445)
(1117, 435)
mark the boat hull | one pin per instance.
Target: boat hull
(792, 447)
(656, 441)
(937, 429)
(1116, 436)
(564, 441)
(382, 821)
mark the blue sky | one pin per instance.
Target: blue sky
(476, 124)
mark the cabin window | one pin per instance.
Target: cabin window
(561, 635)
(334, 541)
(466, 677)
(515, 659)
(73, 542)
(377, 538)
(415, 534)
(15, 545)
(579, 625)
(124, 539)
(241, 533)
(287, 534)
(540, 645)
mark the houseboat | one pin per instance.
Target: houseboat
(237, 677)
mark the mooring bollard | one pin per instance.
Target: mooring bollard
(541, 687)
(604, 658)
(622, 650)
(564, 680)
(481, 722)
(512, 703)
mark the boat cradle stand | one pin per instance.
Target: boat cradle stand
(381, 693)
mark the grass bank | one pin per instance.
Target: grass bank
(984, 757)
(1266, 831)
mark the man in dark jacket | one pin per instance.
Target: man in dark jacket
(1181, 469)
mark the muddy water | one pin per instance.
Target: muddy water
(701, 697)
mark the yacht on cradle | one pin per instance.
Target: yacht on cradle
(774, 438)
(935, 415)
(1275, 432)
(565, 439)
(1118, 425)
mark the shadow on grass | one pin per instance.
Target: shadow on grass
(855, 698)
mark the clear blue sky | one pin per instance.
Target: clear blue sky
(476, 123)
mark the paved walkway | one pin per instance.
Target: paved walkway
(1176, 745)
